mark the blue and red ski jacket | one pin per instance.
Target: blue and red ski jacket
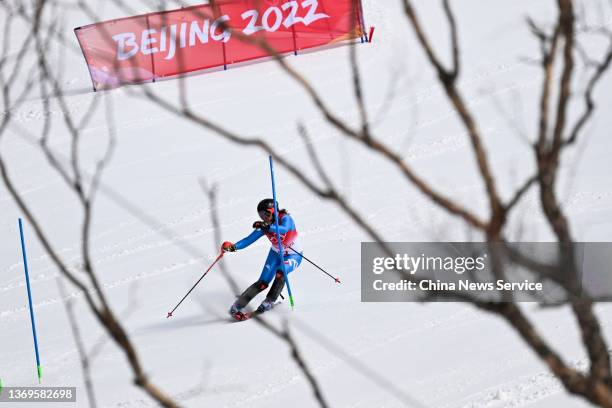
(288, 233)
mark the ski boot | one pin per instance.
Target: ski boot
(234, 309)
(266, 305)
(237, 314)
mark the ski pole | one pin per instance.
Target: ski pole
(196, 284)
(316, 266)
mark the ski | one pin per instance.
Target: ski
(243, 316)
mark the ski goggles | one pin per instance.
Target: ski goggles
(265, 214)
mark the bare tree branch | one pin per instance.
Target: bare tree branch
(76, 333)
(448, 79)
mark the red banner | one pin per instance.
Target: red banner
(156, 45)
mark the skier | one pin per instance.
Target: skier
(272, 268)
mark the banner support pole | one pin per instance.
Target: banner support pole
(294, 41)
(93, 84)
(362, 23)
(224, 57)
(152, 60)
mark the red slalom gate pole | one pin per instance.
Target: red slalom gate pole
(196, 284)
(371, 34)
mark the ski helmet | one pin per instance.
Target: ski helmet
(265, 208)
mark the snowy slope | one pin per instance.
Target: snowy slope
(443, 355)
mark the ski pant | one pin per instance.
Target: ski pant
(272, 270)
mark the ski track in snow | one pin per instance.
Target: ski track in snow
(173, 267)
(518, 392)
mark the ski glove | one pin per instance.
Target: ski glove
(228, 247)
(261, 225)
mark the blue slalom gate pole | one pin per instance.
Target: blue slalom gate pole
(27, 275)
(278, 237)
